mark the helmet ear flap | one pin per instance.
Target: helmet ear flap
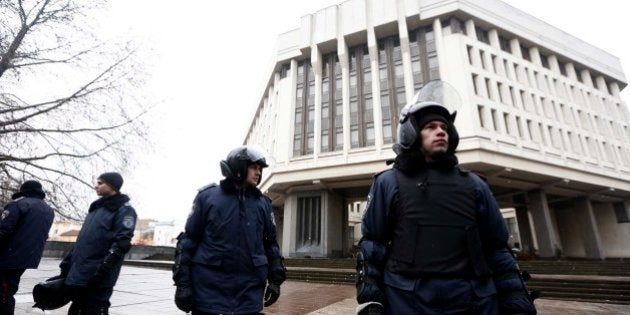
(226, 170)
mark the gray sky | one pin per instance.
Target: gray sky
(209, 60)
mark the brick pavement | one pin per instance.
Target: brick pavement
(150, 291)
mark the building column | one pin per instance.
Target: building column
(524, 231)
(332, 225)
(289, 226)
(588, 227)
(544, 228)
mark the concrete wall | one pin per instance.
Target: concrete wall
(570, 235)
(614, 236)
(60, 249)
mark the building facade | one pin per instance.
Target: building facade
(542, 120)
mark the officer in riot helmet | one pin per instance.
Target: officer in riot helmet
(228, 260)
(433, 238)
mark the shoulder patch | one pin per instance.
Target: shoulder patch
(211, 185)
(5, 214)
(128, 221)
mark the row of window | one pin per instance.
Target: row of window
(504, 44)
(544, 83)
(544, 106)
(551, 136)
(392, 95)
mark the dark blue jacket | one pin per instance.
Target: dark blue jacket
(109, 222)
(235, 249)
(23, 232)
(377, 229)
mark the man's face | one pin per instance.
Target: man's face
(102, 189)
(434, 137)
(254, 172)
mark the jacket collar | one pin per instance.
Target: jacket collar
(412, 162)
(230, 187)
(111, 203)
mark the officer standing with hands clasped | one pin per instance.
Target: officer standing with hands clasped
(24, 226)
(434, 240)
(92, 267)
(228, 260)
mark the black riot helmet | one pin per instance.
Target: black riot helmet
(437, 100)
(51, 294)
(239, 159)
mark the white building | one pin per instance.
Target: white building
(165, 232)
(542, 119)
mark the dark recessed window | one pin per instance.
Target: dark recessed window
(544, 60)
(304, 128)
(482, 35)
(424, 63)
(361, 108)
(284, 70)
(332, 104)
(309, 217)
(621, 212)
(578, 74)
(525, 53)
(563, 69)
(453, 25)
(392, 83)
(505, 44)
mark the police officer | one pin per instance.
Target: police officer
(24, 226)
(92, 267)
(434, 240)
(228, 260)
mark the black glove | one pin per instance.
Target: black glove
(372, 309)
(272, 293)
(184, 298)
(516, 302)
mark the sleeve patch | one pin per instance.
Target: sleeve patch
(5, 214)
(128, 221)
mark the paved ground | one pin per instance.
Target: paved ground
(150, 291)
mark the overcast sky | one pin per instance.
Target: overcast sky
(208, 62)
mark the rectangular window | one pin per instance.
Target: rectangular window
(482, 35)
(621, 212)
(544, 59)
(519, 128)
(480, 114)
(505, 44)
(392, 84)
(361, 112)
(506, 123)
(332, 109)
(525, 53)
(488, 91)
(563, 69)
(474, 81)
(308, 222)
(452, 25)
(302, 100)
(495, 124)
(284, 70)
(578, 74)
(424, 61)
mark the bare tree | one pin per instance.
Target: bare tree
(67, 104)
